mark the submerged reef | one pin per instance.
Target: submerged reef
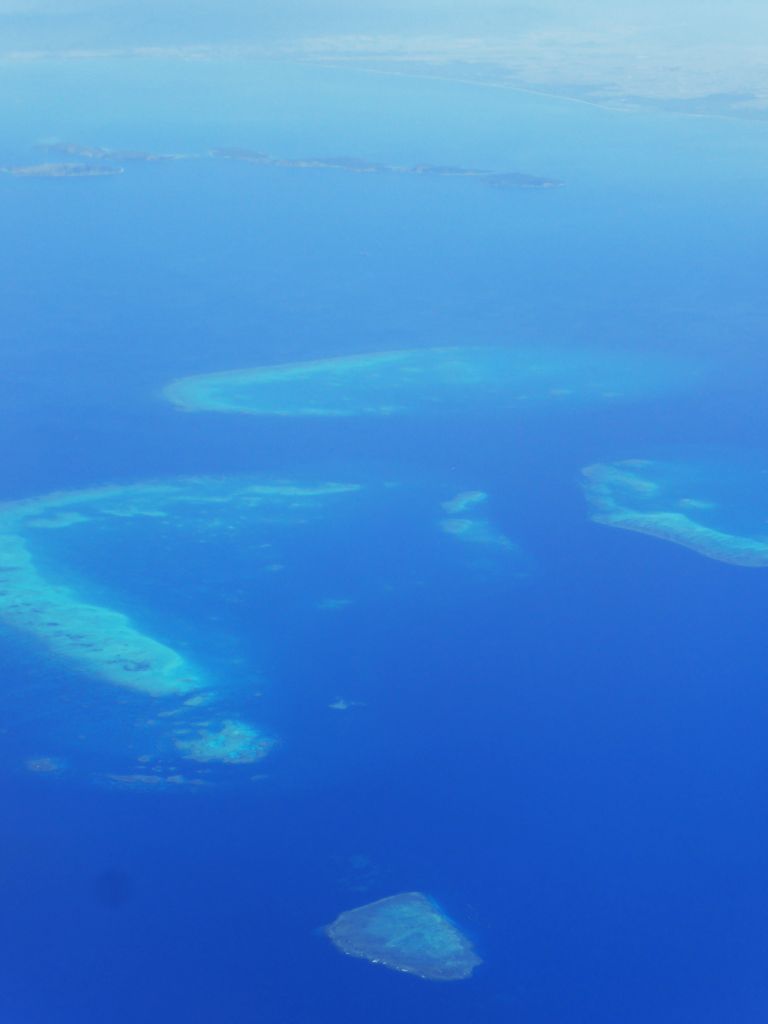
(477, 531)
(231, 743)
(708, 508)
(408, 933)
(144, 780)
(464, 522)
(49, 602)
(464, 500)
(45, 765)
(427, 381)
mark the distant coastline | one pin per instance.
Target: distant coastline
(697, 83)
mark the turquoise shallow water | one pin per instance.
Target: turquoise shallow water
(561, 741)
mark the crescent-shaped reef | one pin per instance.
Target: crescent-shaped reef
(713, 509)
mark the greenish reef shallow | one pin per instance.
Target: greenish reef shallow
(104, 643)
(717, 510)
(429, 381)
(407, 933)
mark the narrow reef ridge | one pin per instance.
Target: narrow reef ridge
(429, 381)
(407, 933)
(653, 498)
(100, 641)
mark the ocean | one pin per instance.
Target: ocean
(561, 741)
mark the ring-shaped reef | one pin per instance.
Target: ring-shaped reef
(407, 933)
(104, 643)
(429, 380)
(713, 507)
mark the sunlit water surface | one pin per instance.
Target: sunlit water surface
(559, 736)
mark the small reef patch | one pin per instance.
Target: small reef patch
(407, 933)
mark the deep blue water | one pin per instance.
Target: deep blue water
(573, 763)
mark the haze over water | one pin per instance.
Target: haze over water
(554, 729)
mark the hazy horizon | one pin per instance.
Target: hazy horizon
(163, 22)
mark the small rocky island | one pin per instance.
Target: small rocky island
(510, 179)
(65, 170)
(120, 156)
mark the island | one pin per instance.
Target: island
(73, 149)
(354, 165)
(101, 156)
(407, 933)
(65, 170)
